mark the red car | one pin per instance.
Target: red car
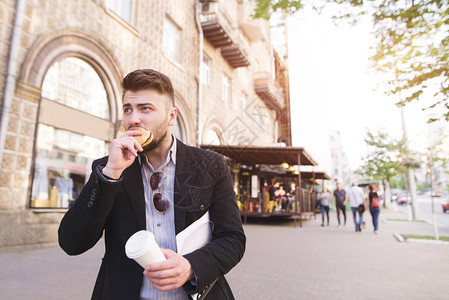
(445, 206)
(403, 199)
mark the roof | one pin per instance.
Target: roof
(316, 175)
(251, 155)
(309, 175)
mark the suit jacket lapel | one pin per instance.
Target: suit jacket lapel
(132, 180)
(185, 176)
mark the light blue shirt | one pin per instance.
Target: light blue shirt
(161, 224)
(325, 199)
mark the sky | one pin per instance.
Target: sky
(332, 88)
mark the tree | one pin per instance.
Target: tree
(412, 43)
(436, 157)
(383, 162)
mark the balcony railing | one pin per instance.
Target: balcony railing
(216, 26)
(268, 90)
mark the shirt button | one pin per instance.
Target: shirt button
(90, 204)
(92, 197)
(158, 225)
(94, 191)
(202, 206)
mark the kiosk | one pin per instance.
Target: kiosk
(255, 168)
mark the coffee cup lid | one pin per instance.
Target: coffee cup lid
(138, 244)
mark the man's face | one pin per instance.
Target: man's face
(150, 110)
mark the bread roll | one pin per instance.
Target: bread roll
(145, 138)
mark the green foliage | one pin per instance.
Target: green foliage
(384, 160)
(425, 237)
(413, 48)
(423, 186)
(412, 43)
(264, 8)
(398, 183)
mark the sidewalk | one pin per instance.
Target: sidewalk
(281, 262)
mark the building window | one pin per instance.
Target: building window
(65, 144)
(177, 129)
(205, 70)
(171, 40)
(213, 138)
(123, 8)
(62, 166)
(226, 89)
(74, 83)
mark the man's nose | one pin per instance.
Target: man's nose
(134, 118)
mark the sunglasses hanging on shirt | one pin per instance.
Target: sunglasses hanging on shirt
(160, 200)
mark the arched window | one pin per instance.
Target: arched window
(74, 128)
(176, 130)
(179, 128)
(74, 83)
(213, 138)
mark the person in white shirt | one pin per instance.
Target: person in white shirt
(356, 198)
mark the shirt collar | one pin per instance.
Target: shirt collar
(170, 156)
(173, 149)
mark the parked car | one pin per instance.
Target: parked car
(445, 206)
(403, 199)
(436, 194)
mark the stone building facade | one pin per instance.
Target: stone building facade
(61, 64)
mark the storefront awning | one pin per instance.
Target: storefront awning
(252, 155)
(316, 175)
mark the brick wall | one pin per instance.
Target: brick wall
(86, 28)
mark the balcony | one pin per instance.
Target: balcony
(253, 28)
(216, 26)
(268, 90)
(235, 56)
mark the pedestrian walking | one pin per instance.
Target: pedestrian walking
(325, 199)
(374, 207)
(340, 198)
(356, 197)
(161, 187)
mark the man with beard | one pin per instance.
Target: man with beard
(163, 188)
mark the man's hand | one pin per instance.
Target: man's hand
(169, 274)
(122, 153)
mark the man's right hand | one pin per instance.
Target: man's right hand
(122, 153)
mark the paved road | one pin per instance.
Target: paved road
(281, 262)
(424, 205)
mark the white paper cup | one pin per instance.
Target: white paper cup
(143, 248)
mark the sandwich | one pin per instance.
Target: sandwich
(145, 138)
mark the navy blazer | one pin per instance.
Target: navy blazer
(202, 183)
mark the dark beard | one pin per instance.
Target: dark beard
(155, 143)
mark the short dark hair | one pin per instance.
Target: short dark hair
(148, 79)
(371, 187)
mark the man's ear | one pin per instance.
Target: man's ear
(172, 116)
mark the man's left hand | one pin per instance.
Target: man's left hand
(169, 274)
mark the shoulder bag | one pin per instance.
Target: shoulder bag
(375, 201)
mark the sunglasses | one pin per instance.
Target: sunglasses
(160, 200)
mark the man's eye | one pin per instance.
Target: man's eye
(126, 110)
(146, 108)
